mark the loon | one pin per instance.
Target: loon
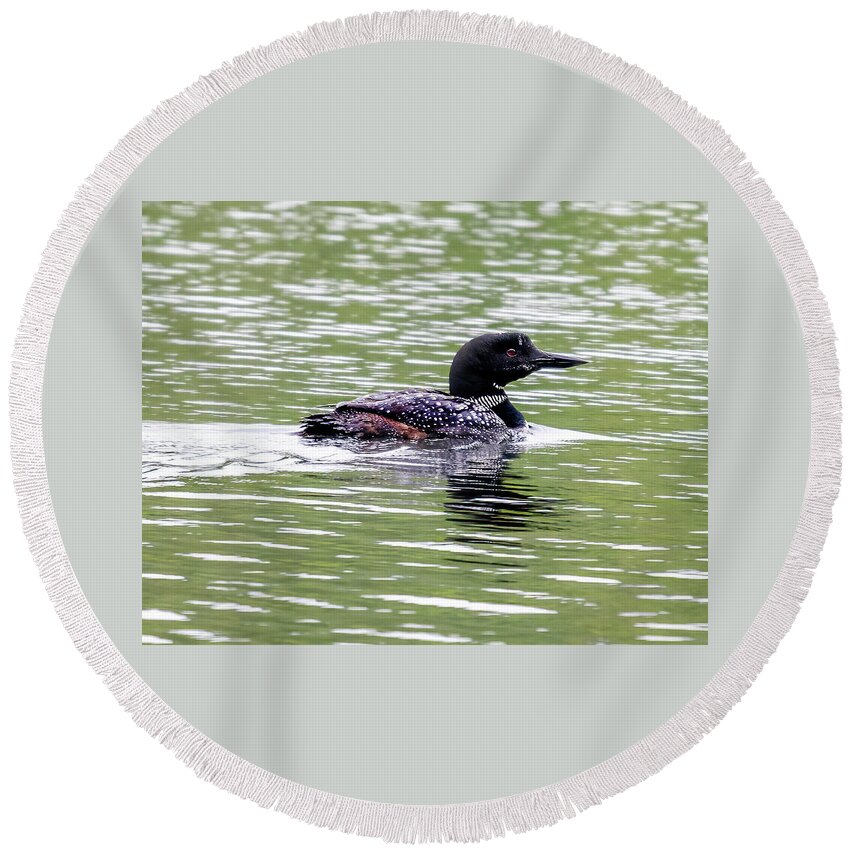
(476, 405)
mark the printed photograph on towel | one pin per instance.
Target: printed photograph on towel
(425, 423)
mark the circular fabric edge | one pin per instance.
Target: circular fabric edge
(393, 821)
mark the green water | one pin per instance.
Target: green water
(258, 313)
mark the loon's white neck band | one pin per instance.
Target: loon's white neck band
(494, 400)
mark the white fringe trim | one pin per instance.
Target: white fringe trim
(396, 822)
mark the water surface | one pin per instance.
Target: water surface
(593, 529)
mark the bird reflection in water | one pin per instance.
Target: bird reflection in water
(483, 487)
(485, 490)
(487, 498)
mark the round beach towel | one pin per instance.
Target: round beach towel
(426, 425)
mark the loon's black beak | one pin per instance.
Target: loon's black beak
(556, 361)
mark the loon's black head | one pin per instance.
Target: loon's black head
(485, 364)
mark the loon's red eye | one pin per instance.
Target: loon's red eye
(511, 352)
